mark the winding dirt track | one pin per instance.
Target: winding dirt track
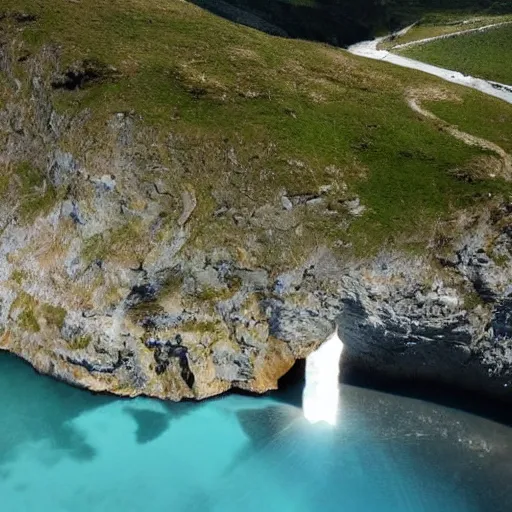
(467, 138)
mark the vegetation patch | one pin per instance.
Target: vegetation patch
(28, 321)
(26, 318)
(472, 300)
(143, 312)
(30, 310)
(209, 294)
(80, 342)
(490, 119)
(54, 315)
(259, 113)
(30, 186)
(122, 243)
(436, 24)
(18, 276)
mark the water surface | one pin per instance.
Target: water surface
(63, 449)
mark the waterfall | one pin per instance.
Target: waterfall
(320, 399)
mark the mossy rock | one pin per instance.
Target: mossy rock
(54, 315)
(80, 342)
(28, 321)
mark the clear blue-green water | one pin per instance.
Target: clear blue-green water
(63, 449)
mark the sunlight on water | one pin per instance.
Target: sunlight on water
(63, 449)
(321, 396)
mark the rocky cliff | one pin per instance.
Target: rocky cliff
(140, 263)
(446, 319)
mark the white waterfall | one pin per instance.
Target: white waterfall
(320, 399)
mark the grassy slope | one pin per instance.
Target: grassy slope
(489, 120)
(192, 73)
(485, 55)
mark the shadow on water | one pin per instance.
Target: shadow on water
(445, 395)
(150, 424)
(427, 430)
(36, 408)
(292, 385)
(377, 432)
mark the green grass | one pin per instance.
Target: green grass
(54, 315)
(30, 311)
(491, 120)
(119, 244)
(221, 86)
(38, 195)
(484, 54)
(28, 186)
(28, 322)
(18, 276)
(80, 342)
(26, 306)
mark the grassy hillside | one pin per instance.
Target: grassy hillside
(492, 121)
(485, 54)
(298, 115)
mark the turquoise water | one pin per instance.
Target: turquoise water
(63, 449)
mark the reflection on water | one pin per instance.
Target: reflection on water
(63, 449)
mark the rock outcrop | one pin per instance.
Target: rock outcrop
(103, 282)
(445, 320)
(115, 273)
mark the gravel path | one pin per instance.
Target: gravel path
(369, 49)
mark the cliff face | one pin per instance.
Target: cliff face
(98, 285)
(140, 261)
(405, 319)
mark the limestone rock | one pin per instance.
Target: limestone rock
(127, 272)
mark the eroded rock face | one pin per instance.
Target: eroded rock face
(403, 318)
(103, 282)
(114, 273)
